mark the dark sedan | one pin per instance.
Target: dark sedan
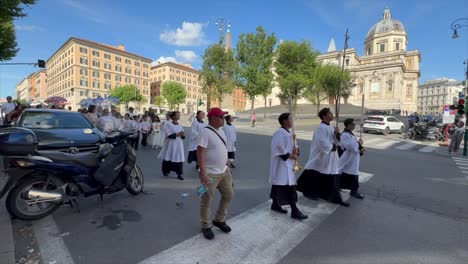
(61, 130)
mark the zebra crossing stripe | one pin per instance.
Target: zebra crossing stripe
(406, 146)
(428, 149)
(372, 140)
(386, 144)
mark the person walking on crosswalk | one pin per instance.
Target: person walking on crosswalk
(321, 178)
(349, 161)
(282, 178)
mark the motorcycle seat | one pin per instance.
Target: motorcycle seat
(85, 159)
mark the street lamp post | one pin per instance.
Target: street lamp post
(455, 26)
(337, 102)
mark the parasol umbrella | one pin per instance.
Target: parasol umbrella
(56, 100)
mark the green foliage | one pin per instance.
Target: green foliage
(295, 63)
(10, 10)
(159, 101)
(219, 72)
(127, 93)
(255, 56)
(174, 93)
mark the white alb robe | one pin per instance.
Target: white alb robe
(231, 137)
(282, 172)
(174, 150)
(197, 127)
(322, 158)
(349, 161)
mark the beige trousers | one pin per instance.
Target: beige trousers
(222, 182)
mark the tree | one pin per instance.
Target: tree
(174, 93)
(159, 101)
(294, 63)
(127, 93)
(10, 10)
(218, 73)
(255, 56)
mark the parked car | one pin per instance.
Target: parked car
(61, 130)
(383, 124)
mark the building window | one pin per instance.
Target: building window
(95, 84)
(145, 66)
(137, 81)
(96, 74)
(83, 82)
(137, 72)
(382, 47)
(96, 63)
(107, 85)
(127, 80)
(127, 61)
(145, 74)
(347, 61)
(118, 68)
(96, 53)
(128, 70)
(107, 56)
(83, 61)
(137, 64)
(397, 46)
(107, 76)
(361, 88)
(389, 87)
(375, 87)
(84, 72)
(178, 78)
(118, 78)
(409, 90)
(118, 59)
(84, 50)
(107, 65)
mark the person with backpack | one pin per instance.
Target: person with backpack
(348, 163)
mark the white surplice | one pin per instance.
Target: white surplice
(349, 161)
(174, 148)
(196, 129)
(282, 171)
(322, 158)
(231, 137)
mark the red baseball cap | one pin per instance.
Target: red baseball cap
(215, 111)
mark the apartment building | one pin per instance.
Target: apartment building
(433, 95)
(82, 69)
(183, 74)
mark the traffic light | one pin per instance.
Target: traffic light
(41, 63)
(461, 106)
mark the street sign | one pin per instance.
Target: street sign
(446, 110)
(448, 119)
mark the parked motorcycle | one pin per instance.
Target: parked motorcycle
(40, 181)
(424, 131)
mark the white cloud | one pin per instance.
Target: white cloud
(186, 55)
(163, 60)
(191, 34)
(30, 28)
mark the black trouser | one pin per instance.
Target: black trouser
(134, 142)
(144, 140)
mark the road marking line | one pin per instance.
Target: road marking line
(463, 168)
(460, 159)
(250, 242)
(406, 146)
(53, 248)
(385, 145)
(428, 149)
(461, 163)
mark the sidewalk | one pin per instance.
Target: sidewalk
(7, 247)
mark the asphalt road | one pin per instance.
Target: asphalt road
(416, 211)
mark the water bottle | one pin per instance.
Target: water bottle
(202, 189)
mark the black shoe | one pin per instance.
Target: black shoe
(298, 215)
(357, 194)
(208, 233)
(278, 209)
(180, 177)
(343, 203)
(223, 226)
(311, 197)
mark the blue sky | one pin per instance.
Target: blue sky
(181, 30)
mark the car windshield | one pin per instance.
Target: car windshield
(373, 118)
(54, 120)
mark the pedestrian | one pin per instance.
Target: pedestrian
(7, 108)
(131, 112)
(254, 119)
(164, 134)
(215, 173)
(69, 108)
(131, 126)
(349, 162)
(106, 122)
(197, 126)
(155, 137)
(173, 156)
(91, 115)
(145, 128)
(231, 138)
(320, 178)
(100, 111)
(456, 138)
(282, 178)
(15, 114)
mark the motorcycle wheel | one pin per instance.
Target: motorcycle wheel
(135, 181)
(402, 130)
(410, 135)
(18, 204)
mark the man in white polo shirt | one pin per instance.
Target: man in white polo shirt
(7, 108)
(214, 165)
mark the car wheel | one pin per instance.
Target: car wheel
(386, 131)
(402, 129)
(365, 131)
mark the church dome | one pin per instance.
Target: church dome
(387, 24)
